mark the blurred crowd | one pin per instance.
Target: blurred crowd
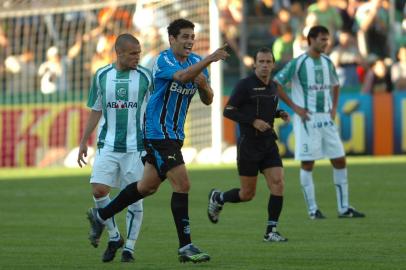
(368, 40)
(60, 52)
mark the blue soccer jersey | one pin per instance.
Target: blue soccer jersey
(169, 103)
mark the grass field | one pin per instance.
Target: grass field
(43, 225)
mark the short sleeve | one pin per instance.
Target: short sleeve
(286, 74)
(94, 100)
(165, 68)
(333, 74)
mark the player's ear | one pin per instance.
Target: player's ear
(171, 39)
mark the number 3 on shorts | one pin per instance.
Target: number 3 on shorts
(305, 148)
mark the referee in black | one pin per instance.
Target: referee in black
(253, 105)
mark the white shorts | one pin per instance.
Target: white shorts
(318, 138)
(117, 169)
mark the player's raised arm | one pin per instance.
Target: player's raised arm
(190, 73)
(205, 91)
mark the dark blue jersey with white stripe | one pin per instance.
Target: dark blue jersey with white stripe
(169, 103)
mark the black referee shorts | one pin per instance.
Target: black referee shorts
(163, 155)
(257, 154)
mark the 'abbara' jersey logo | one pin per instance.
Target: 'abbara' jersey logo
(122, 104)
(319, 87)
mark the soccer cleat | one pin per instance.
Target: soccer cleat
(96, 227)
(351, 213)
(127, 256)
(193, 254)
(214, 208)
(111, 249)
(274, 237)
(317, 215)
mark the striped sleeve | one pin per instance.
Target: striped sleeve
(148, 75)
(165, 68)
(286, 74)
(333, 74)
(94, 100)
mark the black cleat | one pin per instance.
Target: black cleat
(96, 227)
(111, 249)
(317, 215)
(214, 208)
(351, 213)
(127, 256)
(193, 254)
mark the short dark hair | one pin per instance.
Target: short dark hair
(264, 50)
(315, 31)
(175, 26)
(124, 38)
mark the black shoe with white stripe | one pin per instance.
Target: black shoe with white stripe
(351, 213)
(317, 215)
(214, 208)
(127, 256)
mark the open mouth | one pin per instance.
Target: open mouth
(188, 49)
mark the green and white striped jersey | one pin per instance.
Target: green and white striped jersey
(122, 96)
(312, 80)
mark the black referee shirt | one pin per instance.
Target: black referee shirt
(250, 100)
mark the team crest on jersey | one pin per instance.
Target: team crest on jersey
(122, 104)
(319, 77)
(121, 92)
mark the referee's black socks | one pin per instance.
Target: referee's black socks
(274, 211)
(126, 197)
(231, 196)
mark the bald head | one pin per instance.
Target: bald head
(122, 42)
(128, 50)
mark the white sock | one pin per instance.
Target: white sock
(341, 183)
(306, 180)
(134, 217)
(110, 223)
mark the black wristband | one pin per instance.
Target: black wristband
(278, 113)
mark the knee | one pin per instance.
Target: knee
(100, 191)
(307, 166)
(247, 195)
(339, 163)
(278, 186)
(150, 190)
(184, 188)
(279, 183)
(147, 189)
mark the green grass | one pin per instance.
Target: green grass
(43, 225)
